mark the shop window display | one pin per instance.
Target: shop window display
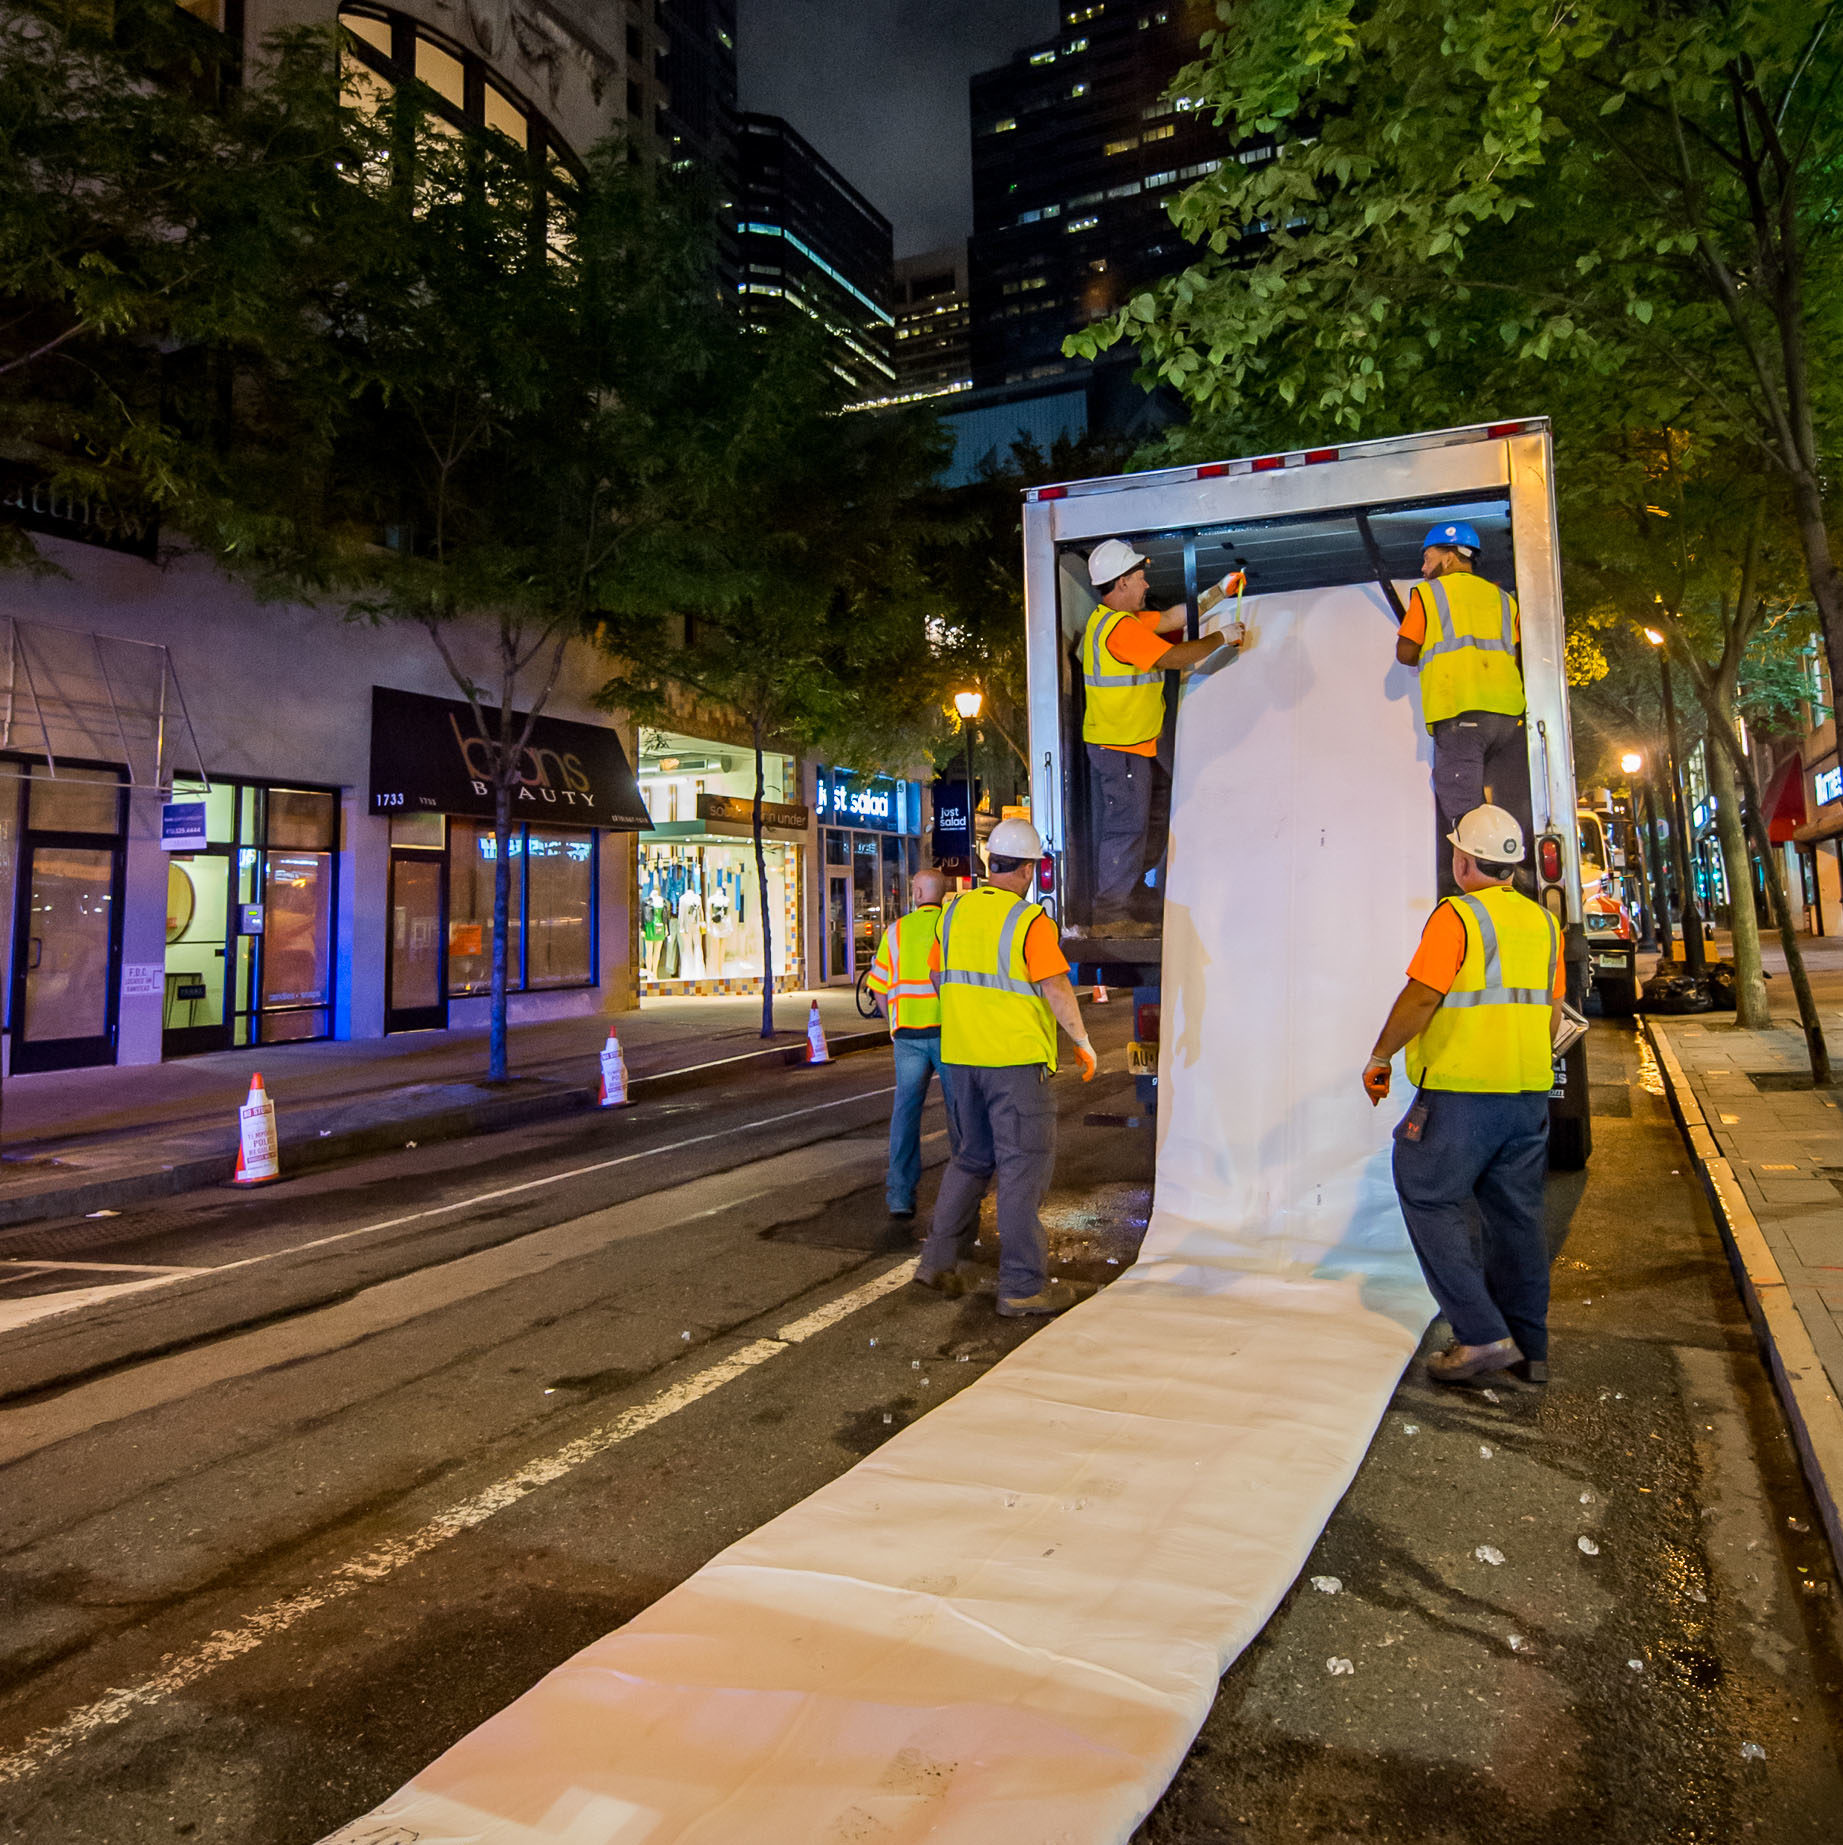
(550, 923)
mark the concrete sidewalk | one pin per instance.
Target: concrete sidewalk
(1770, 1150)
(77, 1141)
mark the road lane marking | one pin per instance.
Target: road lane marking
(385, 1559)
(492, 1197)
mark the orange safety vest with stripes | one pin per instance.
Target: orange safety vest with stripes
(901, 970)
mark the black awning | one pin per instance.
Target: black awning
(427, 756)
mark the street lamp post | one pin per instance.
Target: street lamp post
(969, 705)
(1633, 764)
(1691, 917)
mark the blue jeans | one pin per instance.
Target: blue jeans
(917, 1059)
(1492, 1150)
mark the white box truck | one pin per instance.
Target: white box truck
(1311, 519)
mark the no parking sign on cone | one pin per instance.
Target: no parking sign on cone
(613, 1093)
(816, 1051)
(258, 1158)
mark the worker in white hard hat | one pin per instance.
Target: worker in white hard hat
(1004, 987)
(1461, 631)
(1125, 654)
(902, 978)
(1478, 1018)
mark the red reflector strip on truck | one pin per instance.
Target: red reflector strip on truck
(1212, 470)
(1049, 493)
(1320, 454)
(1505, 429)
(1269, 462)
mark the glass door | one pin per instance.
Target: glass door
(64, 979)
(416, 983)
(838, 927)
(195, 1015)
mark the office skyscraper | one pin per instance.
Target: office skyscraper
(810, 242)
(1076, 152)
(932, 350)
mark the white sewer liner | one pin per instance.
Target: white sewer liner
(1006, 1625)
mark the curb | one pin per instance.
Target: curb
(1811, 1405)
(310, 1151)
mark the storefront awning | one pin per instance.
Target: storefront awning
(1784, 800)
(427, 756)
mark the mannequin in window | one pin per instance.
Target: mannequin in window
(719, 924)
(690, 934)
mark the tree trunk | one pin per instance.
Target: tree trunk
(1815, 1047)
(1751, 1007)
(1821, 569)
(502, 911)
(1641, 872)
(761, 886)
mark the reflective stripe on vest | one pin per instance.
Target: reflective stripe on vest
(1121, 706)
(1491, 1036)
(1469, 658)
(914, 1003)
(991, 1011)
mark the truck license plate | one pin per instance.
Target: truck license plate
(1142, 1059)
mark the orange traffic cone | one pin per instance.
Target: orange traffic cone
(613, 1091)
(1100, 994)
(816, 1051)
(258, 1158)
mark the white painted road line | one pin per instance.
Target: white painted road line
(67, 1304)
(347, 1578)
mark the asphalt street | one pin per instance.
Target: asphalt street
(347, 1464)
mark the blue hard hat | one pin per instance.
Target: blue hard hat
(1456, 534)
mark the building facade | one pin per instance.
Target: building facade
(932, 349)
(699, 134)
(1077, 153)
(810, 242)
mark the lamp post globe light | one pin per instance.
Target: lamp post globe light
(1631, 762)
(969, 704)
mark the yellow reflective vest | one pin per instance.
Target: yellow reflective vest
(1122, 706)
(901, 970)
(991, 1011)
(1493, 1032)
(1469, 658)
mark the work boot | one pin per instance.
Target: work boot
(903, 1213)
(949, 1282)
(1054, 1297)
(1458, 1362)
(1531, 1370)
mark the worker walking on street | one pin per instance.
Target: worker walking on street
(1478, 1018)
(1004, 987)
(902, 976)
(1461, 630)
(1124, 657)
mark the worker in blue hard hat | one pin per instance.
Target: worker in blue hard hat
(1461, 632)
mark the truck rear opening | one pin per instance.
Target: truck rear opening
(1311, 520)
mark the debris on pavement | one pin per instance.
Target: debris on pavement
(1326, 1585)
(1588, 1548)
(1489, 1553)
(1339, 1668)
(1752, 1752)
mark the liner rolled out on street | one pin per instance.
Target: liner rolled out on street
(1008, 1623)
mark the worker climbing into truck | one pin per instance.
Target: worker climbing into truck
(1124, 657)
(1461, 631)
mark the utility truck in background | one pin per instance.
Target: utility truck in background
(1312, 519)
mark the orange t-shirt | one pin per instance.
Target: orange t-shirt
(1441, 954)
(1043, 956)
(1136, 642)
(1414, 623)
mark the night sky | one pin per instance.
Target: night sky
(879, 87)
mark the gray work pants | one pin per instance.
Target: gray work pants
(1122, 816)
(1005, 1116)
(1478, 750)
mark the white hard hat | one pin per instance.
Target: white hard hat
(1491, 835)
(1111, 558)
(1014, 839)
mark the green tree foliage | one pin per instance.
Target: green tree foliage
(1435, 212)
(156, 222)
(789, 588)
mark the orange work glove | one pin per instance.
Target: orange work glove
(1375, 1080)
(1089, 1062)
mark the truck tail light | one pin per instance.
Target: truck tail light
(1050, 493)
(1145, 1022)
(1046, 873)
(1548, 858)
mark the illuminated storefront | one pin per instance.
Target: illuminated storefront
(870, 834)
(700, 894)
